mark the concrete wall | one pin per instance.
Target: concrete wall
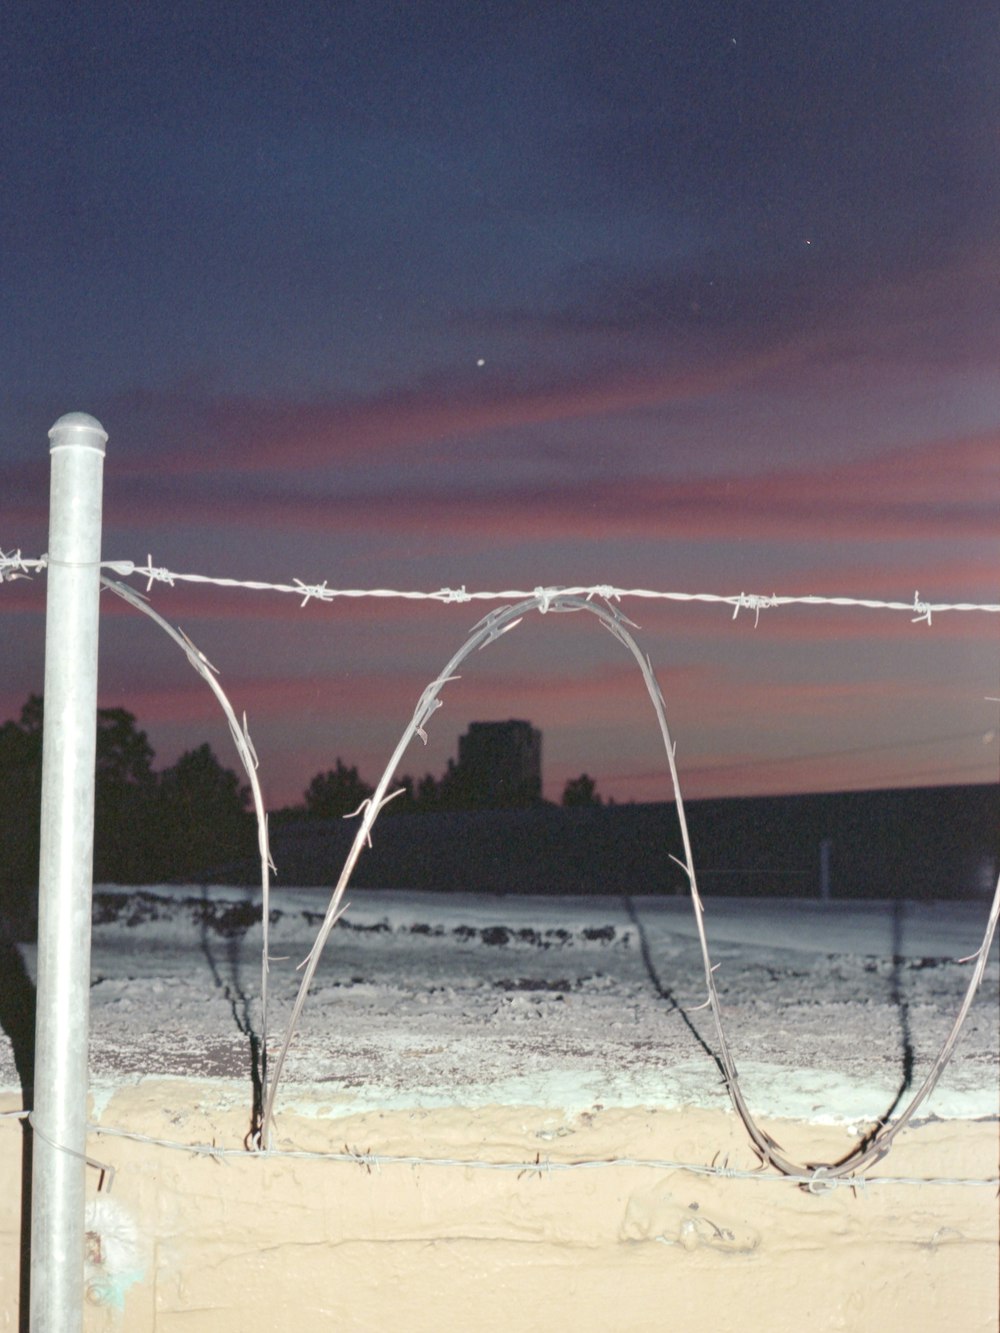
(931, 842)
(247, 1243)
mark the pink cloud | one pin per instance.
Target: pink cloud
(706, 695)
(944, 490)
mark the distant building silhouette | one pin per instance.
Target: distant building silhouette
(500, 764)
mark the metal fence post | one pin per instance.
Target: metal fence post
(59, 1118)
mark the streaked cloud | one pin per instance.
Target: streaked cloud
(943, 489)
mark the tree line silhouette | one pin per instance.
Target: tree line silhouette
(188, 821)
(148, 825)
(341, 790)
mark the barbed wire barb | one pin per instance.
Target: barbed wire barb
(366, 805)
(12, 566)
(319, 591)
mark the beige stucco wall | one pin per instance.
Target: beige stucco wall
(250, 1243)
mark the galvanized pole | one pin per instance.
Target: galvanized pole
(59, 1119)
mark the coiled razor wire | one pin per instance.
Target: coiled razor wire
(497, 623)
(868, 1150)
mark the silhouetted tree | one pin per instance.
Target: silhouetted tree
(124, 799)
(457, 790)
(203, 821)
(580, 791)
(187, 821)
(428, 795)
(32, 715)
(20, 801)
(337, 792)
(124, 754)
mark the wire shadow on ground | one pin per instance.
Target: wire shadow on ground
(663, 990)
(231, 931)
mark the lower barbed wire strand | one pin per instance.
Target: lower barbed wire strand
(545, 1165)
(354, 1157)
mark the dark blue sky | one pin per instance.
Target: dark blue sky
(659, 295)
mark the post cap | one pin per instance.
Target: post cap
(78, 429)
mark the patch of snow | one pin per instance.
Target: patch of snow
(834, 1011)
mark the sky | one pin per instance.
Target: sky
(695, 298)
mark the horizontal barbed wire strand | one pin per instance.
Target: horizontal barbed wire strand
(816, 1182)
(14, 565)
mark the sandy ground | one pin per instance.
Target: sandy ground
(834, 1011)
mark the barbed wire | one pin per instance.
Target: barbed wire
(814, 1182)
(496, 623)
(500, 621)
(13, 565)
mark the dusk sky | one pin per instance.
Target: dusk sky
(695, 297)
